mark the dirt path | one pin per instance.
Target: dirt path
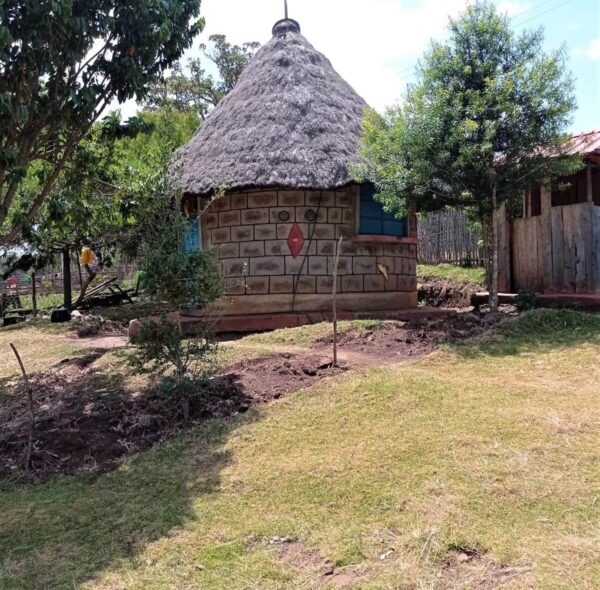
(103, 341)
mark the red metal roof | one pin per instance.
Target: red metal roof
(586, 143)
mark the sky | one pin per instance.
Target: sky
(375, 44)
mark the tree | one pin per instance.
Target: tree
(485, 120)
(196, 91)
(104, 192)
(61, 65)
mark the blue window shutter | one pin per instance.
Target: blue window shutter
(192, 236)
(374, 220)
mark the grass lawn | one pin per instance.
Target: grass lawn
(492, 447)
(451, 272)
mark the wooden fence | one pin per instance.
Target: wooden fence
(446, 236)
(50, 283)
(559, 251)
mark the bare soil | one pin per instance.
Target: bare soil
(87, 420)
(395, 342)
(445, 293)
(473, 568)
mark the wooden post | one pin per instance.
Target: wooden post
(66, 269)
(590, 186)
(333, 300)
(544, 278)
(27, 460)
(504, 250)
(33, 296)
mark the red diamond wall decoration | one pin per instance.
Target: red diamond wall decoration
(295, 240)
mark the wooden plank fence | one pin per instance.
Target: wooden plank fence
(446, 236)
(559, 253)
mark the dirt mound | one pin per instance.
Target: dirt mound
(86, 421)
(445, 293)
(473, 568)
(394, 341)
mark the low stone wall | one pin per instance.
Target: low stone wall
(249, 233)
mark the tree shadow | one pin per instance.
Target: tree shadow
(69, 528)
(539, 330)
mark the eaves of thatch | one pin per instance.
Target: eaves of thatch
(290, 122)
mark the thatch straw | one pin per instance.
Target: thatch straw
(291, 121)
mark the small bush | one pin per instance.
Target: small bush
(185, 363)
(526, 301)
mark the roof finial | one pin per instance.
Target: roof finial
(285, 25)
(286, 9)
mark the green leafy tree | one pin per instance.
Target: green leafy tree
(485, 120)
(61, 65)
(193, 89)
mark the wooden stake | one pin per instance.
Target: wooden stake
(333, 300)
(31, 408)
(33, 296)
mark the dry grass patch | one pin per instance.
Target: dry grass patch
(448, 473)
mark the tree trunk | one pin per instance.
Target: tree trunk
(66, 268)
(494, 257)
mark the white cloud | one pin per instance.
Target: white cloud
(373, 45)
(590, 51)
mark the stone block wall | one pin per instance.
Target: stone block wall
(249, 232)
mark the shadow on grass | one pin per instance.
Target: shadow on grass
(538, 330)
(70, 528)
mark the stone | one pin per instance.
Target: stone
(255, 216)
(284, 284)
(239, 201)
(342, 230)
(374, 283)
(324, 231)
(266, 199)
(211, 220)
(283, 215)
(268, 231)
(317, 265)
(291, 199)
(352, 284)
(276, 247)
(220, 235)
(344, 199)
(235, 286)
(306, 284)
(267, 265)
(364, 265)
(242, 233)
(334, 215)
(235, 267)
(257, 285)
(294, 265)
(229, 218)
(326, 247)
(325, 198)
(325, 284)
(344, 265)
(315, 214)
(228, 250)
(222, 203)
(252, 249)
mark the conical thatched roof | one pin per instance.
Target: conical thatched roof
(291, 121)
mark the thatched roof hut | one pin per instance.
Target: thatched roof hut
(276, 152)
(291, 121)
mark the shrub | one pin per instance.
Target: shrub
(526, 300)
(184, 363)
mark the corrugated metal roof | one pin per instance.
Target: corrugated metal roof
(586, 143)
